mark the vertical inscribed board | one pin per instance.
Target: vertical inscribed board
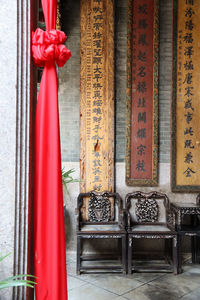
(142, 93)
(186, 95)
(97, 96)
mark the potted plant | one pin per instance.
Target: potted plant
(67, 178)
(17, 280)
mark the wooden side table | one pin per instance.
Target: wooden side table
(192, 229)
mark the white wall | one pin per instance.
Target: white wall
(8, 63)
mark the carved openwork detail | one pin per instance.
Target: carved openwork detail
(190, 211)
(103, 236)
(152, 236)
(99, 209)
(171, 219)
(147, 210)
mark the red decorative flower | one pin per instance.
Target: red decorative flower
(47, 46)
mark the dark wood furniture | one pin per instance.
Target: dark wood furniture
(190, 227)
(149, 217)
(105, 220)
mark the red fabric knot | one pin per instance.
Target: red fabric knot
(47, 46)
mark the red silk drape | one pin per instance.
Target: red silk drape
(49, 235)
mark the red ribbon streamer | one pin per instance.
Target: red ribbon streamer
(49, 231)
(47, 46)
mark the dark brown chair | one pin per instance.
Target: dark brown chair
(100, 216)
(188, 224)
(149, 217)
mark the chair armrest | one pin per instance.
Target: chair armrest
(128, 220)
(122, 218)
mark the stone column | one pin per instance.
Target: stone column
(16, 139)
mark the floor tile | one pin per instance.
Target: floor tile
(148, 292)
(90, 292)
(195, 295)
(73, 282)
(179, 285)
(117, 284)
(90, 278)
(192, 268)
(120, 298)
(145, 277)
(191, 276)
(137, 286)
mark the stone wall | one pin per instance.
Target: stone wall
(69, 84)
(69, 80)
(17, 99)
(69, 97)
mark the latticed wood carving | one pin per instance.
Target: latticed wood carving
(99, 209)
(147, 210)
(171, 219)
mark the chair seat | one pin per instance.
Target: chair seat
(100, 227)
(150, 228)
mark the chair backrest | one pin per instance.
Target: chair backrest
(146, 208)
(198, 199)
(96, 207)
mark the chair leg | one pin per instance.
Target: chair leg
(198, 249)
(78, 259)
(168, 247)
(194, 248)
(179, 242)
(194, 221)
(119, 241)
(175, 255)
(130, 241)
(124, 253)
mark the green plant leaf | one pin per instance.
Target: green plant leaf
(67, 178)
(17, 279)
(19, 276)
(2, 257)
(11, 283)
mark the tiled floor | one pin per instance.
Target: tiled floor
(138, 286)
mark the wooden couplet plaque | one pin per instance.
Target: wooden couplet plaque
(186, 96)
(142, 93)
(97, 96)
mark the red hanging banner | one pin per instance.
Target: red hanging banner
(49, 235)
(142, 93)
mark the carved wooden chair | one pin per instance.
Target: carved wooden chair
(149, 217)
(188, 224)
(100, 216)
